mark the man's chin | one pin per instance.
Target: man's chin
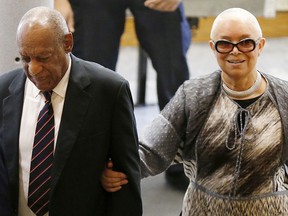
(43, 87)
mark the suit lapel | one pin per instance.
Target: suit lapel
(75, 106)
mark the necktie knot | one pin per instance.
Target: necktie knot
(47, 95)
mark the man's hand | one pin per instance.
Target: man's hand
(162, 5)
(64, 7)
(112, 181)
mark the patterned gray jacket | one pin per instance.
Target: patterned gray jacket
(176, 128)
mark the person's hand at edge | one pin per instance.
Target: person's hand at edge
(112, 181)
(162, 5)
(64, 7)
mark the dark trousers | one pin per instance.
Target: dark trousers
(165, 36)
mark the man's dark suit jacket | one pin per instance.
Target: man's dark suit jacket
(5, 203)
(97, 123)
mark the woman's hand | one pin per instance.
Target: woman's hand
(112, 181)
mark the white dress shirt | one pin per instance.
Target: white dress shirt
(33, 103)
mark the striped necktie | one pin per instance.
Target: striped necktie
(42, 158)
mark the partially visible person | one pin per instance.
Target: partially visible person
(165, 36)
(162, 31)
(229, 128)
(87, 117)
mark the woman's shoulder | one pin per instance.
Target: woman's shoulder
(203, 85)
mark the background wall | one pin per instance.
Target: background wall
(200, 8)
(11, 12)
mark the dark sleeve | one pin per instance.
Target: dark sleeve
(125, 156)
(5, 202)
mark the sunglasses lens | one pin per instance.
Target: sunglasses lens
(224, 46)
(246, 45)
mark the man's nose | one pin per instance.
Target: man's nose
(34, 67)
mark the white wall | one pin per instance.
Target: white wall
(282, 5)
(202, 8)
(11, 12)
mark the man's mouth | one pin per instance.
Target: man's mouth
(40, 79)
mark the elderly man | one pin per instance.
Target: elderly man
(229, 129)
(55, 159)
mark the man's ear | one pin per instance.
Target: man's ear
(68, 42)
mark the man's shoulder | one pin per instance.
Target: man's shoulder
(6, 77)
(11, 73)
(91, 73)
(95, 70)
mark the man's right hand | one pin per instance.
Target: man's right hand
(112, 181)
